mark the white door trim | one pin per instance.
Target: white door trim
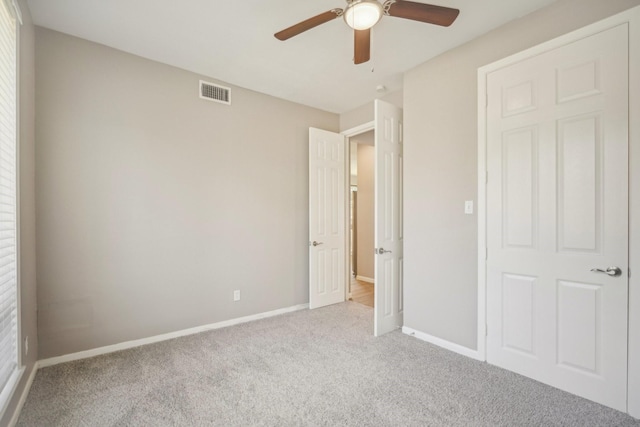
(632, 18)
(357, 130)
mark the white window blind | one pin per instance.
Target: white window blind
(8, 226)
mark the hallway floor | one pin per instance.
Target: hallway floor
(362, 292)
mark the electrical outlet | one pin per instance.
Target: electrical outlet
(236, 295)
(26, 345)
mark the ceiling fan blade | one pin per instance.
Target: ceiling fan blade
(361, 45)
(308, 24)
(438, 15)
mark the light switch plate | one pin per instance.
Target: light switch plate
(468, 207)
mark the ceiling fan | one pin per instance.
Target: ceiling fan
(361, 15)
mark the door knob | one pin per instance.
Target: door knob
(316, 243)
(381, 251)
(611, 271)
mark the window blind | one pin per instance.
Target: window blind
(8, 203)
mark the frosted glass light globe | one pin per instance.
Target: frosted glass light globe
(362, 14)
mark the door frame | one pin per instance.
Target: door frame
(630, 17)
(348, 134)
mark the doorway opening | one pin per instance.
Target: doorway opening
(329, 214)
(362, 218)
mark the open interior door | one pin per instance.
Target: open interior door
(388, 218)
(327, 277)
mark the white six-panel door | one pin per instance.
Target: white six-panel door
(557, 208)
(388, 218)
(326, 218)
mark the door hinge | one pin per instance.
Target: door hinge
(628, 272)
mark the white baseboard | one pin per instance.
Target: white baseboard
(365, 279)
(163, 337)
(23, 396)
(456, 348)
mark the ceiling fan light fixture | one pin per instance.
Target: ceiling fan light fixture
(362, 14)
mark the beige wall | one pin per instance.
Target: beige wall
(365, 211)
(153, 205)
(441, 165)
(28, 314)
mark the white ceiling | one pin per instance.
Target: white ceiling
(233, 41)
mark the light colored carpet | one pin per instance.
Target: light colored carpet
(309, 368)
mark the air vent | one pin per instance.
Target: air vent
(214, 92)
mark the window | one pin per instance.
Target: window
(9, 366)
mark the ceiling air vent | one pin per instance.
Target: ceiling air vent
(214, 92)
